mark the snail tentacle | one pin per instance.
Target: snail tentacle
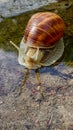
(15, 45)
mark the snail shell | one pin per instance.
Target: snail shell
(43, 30)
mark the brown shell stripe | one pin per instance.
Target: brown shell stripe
(58, 26)
(33, 19)
(37, 16)
(40, 28)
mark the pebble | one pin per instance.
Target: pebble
(70, 82)
(1, 102)
(1, 19)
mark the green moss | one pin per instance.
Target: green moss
(13, 29)
(68, 53)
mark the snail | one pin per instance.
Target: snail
(42, 43)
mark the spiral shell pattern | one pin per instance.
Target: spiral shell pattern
(44, 29)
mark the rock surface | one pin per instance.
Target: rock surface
(10, 8)
(29, 111)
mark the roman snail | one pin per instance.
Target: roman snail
(42, 44)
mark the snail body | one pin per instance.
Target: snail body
(42, 44)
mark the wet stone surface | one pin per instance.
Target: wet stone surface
(29, 111)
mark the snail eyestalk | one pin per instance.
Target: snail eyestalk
(40, 87)
(15, 45)
(24, 81)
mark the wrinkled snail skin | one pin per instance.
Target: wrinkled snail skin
(31, 57)
(43, 36)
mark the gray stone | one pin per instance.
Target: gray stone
(10, 8)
